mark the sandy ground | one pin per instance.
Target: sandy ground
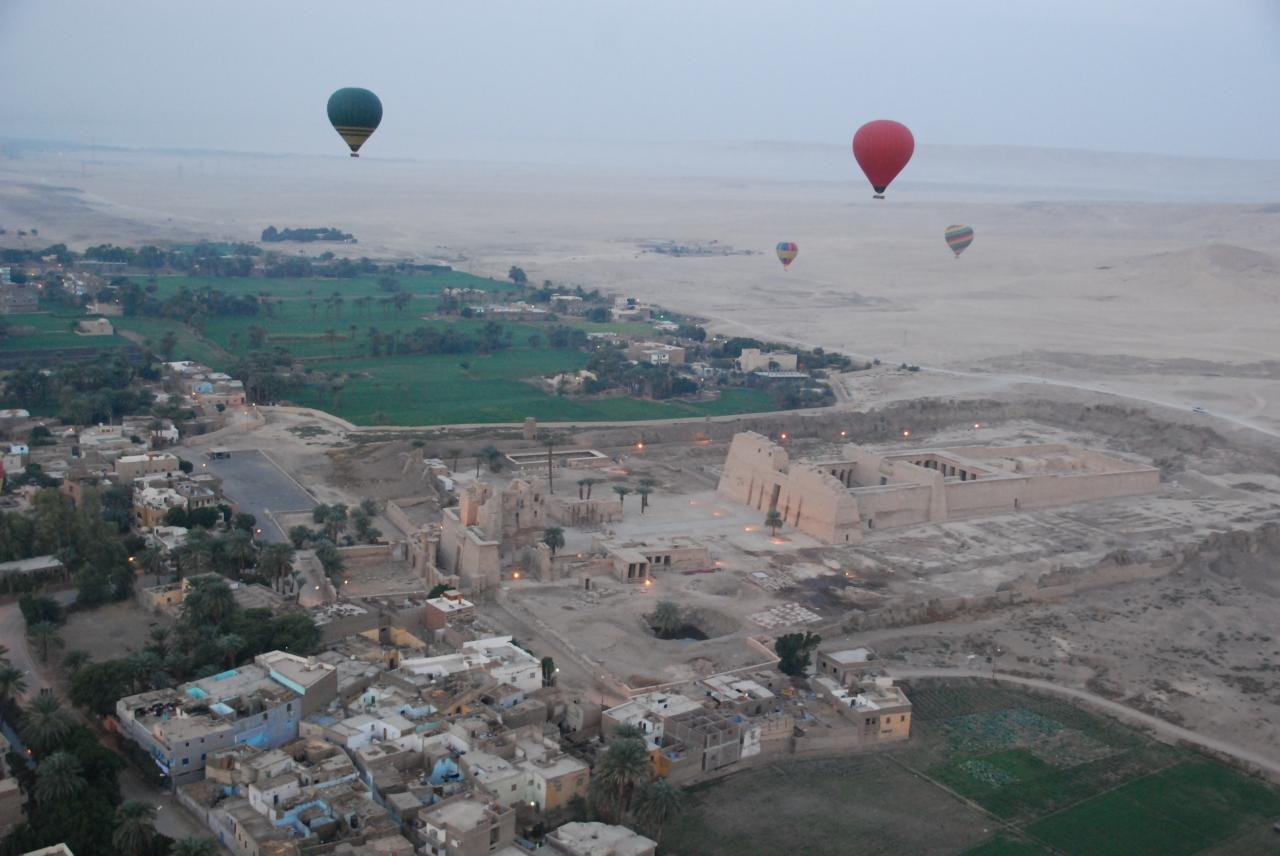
(1146, 286)
(1148, 302)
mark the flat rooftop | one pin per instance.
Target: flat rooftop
(599, 839)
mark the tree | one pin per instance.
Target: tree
(193, 846)
(58, 779)
(621, 490)
(666, 618)
(517, 275)
(300, 536)
(275, 561)
(229, 645)
(12, 684)
(553, 537)
(135, 828)
(438, 590)
(551, 441)
(238, 546)
(45, 725)
(643, 491)
(244, 521)
(794, 651)
(74, 661)
(486, 455)
(152, 561)
(625, 764)
(773, 520)
(454, 454)
(548, 671)
(656, 803)
(208, 603)
(96, 686)
(46, 637)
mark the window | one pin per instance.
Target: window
(289, 707)
(264, 717)
(186, 761)
(202, 756)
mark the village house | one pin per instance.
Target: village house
(259, 703)
(755, 360)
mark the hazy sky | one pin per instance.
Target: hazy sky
(1171, 76)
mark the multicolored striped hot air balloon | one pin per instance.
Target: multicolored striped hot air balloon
(958, 237)
(787, 252)
(355, 114)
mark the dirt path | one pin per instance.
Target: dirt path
(1166, 730)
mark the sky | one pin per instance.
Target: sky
(1180, 77)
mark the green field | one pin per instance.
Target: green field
(306, 290)
(335, 343)
(437, 389)
(50, 332)
(1038, 775)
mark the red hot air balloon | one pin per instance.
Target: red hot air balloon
(882, 149)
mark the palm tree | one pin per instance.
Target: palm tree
(12, 684)
(45, 635)
(74, 661)
(4, 654)
(646, 487)
(622, 490)
(657, 802)
(454, 454)
(666, 618)
(589, 482)
(194, 847)
(209, 602)
(548, 671)
(625, 764)
(553, 537)
(228, 645)
(275, 561)
(135, 828)
(159, 641)
(551, 441)
(239, 547)
(58, 778)
(153, 561)
(486, 454)
(45, 724)
(773, 520)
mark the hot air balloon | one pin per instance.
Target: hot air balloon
(355, 114)
(958, 237)
(787, 252)
(882, 149)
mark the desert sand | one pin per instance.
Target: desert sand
(1145, 276)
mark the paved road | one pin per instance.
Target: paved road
(258, 485)
(1164, 729)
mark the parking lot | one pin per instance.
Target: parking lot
(258, 486)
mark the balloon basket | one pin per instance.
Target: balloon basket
(355, 154)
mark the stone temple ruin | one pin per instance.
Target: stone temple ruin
(836, 501)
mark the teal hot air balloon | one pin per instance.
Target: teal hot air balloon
(355, 114)
(958, 238)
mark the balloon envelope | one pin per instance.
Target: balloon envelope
(787, 252)
(882, 148)
(958, 237)
(355, 114)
